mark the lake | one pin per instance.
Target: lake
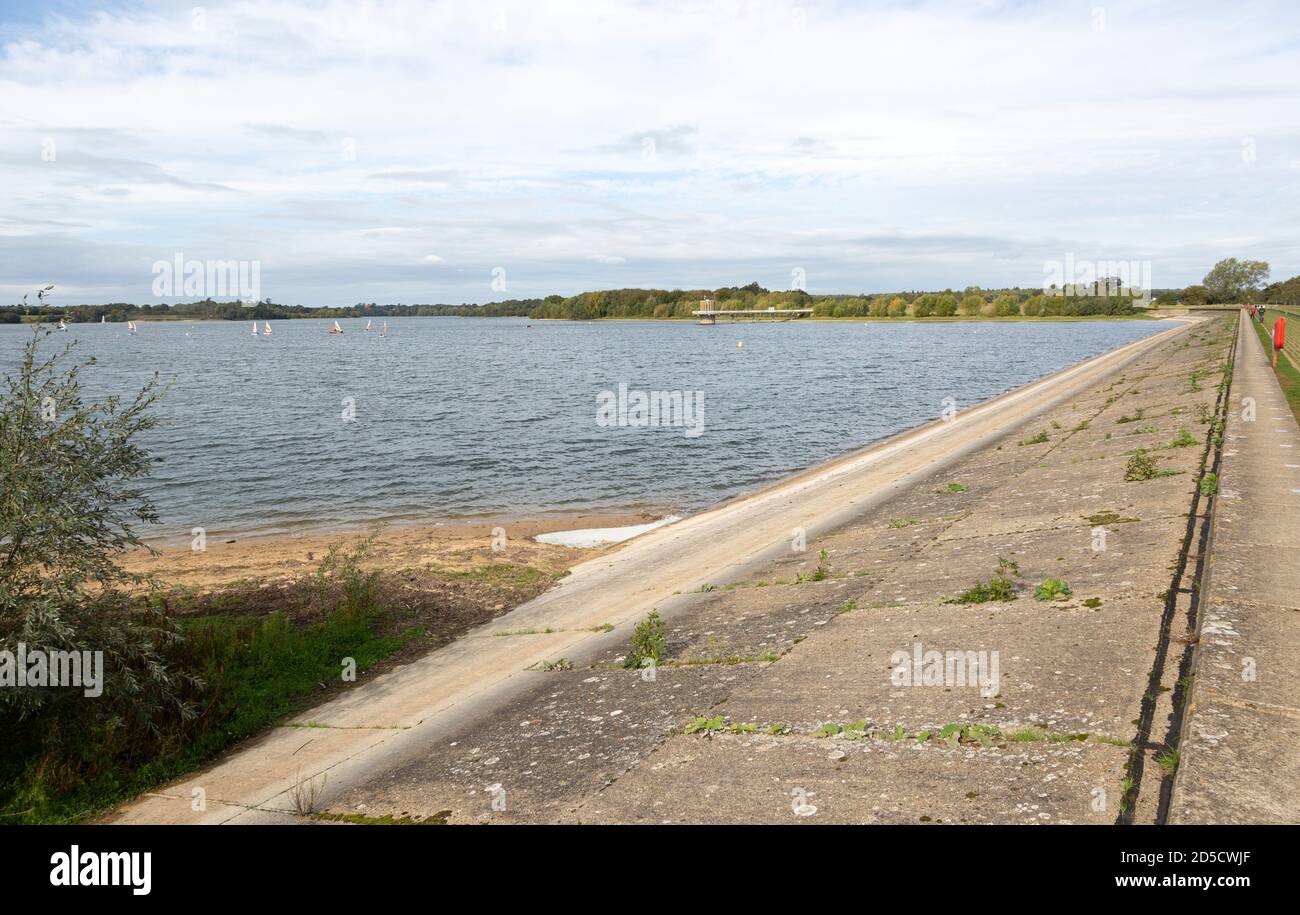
(452, 418)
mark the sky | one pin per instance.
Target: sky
(478, 151)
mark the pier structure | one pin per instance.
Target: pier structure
(708, 314)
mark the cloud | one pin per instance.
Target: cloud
(897, 146)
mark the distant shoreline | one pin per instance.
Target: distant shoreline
(28, 320)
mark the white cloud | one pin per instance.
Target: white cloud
(891, 146)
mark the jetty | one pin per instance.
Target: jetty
(708, 314)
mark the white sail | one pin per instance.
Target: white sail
(254, 328)
(266, 328)
(367, 325)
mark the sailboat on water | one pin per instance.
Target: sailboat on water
(63, 325)
(103, 319)
(367, 324)
(254, 328)
(130, 327)
(384, 332)
(336, 329)
(266, 328)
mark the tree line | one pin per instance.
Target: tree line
(1229, 281)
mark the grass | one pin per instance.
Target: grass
(257, 671)
(1288, 376)
(1038, 439)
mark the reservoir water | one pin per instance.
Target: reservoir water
(447, 418)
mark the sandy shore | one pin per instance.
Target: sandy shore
(446, 547)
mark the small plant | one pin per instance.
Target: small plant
(904, 522)
(955, 487)
(305, 793)
(1140, 467)
(702, 725)
(1209, 484)
(823, 567)
(1026, 735)
(560, 664)
(1168, 761)
(847, 606)
(1185, 439)
(1001, 587)
(1127, 788)
(1038, 439)
(1135, 417)
(648, 642)
(1053, 589)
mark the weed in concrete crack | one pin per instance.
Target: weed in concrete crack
(1053, 589)
(648, 642)
(1001, 587)
(1184, 440)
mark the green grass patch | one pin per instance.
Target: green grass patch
(256, 669)
(1288, 376)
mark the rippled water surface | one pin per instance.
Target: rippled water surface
(465, 417)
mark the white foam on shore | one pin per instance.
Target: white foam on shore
(601, 536)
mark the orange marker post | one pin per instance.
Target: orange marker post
(1279, 337)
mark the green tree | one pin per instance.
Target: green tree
(69, 506)
(1194, 296)
(1231, 280)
